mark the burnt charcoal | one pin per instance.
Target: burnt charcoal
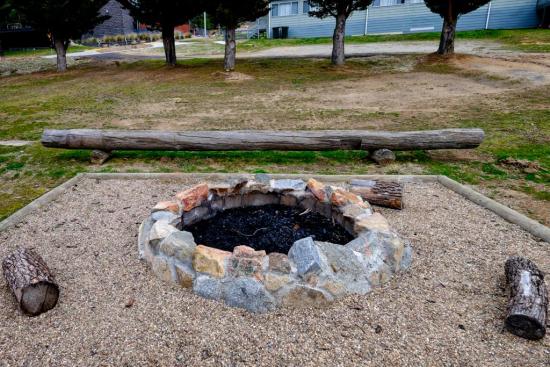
(273, 228)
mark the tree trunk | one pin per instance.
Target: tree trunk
(381, 193)
(31, 282)
(169, 42)
(1, 50)
(61, 51)
(338, 52)
(447, 41)
(230, 50)
(109, 140)
(528, 302)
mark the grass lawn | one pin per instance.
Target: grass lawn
(527, 40)
(393, 93)
(43, 51)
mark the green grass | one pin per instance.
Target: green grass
(528, 40)
(43, 51)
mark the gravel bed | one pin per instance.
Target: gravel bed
(448, 309)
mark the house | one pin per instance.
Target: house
(290, 18)
(119, 23)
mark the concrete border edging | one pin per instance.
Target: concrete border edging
(535, 228)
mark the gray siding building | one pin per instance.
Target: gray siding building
(397, 16)
(120, 22)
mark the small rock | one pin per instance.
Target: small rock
(383, 156)
(262, 178)
(207, 287)
(341, 197)
(99, 157)
(247, 262)
(279, 263)
(307, 257)
(185, 276)
(193, 197)
(180, 245)
(249, 294)
(210, 260)
(130, 302)
(371, 223)
(170, 206)
(160, 230)
(317, 189)
(287, 185)
(143, 235)
(274, 282)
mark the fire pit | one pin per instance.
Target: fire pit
(263, 243)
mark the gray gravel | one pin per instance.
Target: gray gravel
(447, 310)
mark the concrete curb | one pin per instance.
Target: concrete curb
(535, 228)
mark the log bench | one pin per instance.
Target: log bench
(246, 140)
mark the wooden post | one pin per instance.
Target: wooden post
(528, 302)
(31, 282)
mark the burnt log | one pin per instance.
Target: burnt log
(381, 193)
(528, 303)
(109, 140)
(31, 281)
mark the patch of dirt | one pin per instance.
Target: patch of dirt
(525, 70)
(233, 76)
(413, 92)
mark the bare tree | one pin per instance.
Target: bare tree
(340, 10)
(164, 15)
(62, 20)
(230, 14)
(450, 11)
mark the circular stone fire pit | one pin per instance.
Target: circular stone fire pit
(267, 243)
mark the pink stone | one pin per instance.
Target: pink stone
(170, 206)
(317, 188)
(193, 197)
(247, 262)
(341, 197)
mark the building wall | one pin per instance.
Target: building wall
(120, 22)
(410, 18)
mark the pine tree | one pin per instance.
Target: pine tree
(164, 15)
(230, 14)
(62, 20)
(340, 10)
(450, 11)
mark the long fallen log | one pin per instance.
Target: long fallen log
(528, 304)
(109, 140)
(31, 282)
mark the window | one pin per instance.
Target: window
(395, 2)
(306, 7)
(284, 9)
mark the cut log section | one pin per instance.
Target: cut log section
(381, 193)
(109, 140)
(31, 282)
(528, 304)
